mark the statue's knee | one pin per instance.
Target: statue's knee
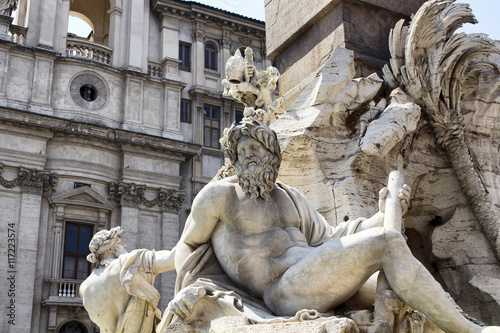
(394, 238)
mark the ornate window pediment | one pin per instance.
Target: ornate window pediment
(83, 196)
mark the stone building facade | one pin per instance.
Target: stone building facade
(120, 128)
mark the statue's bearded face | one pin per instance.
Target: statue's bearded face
(256, 168)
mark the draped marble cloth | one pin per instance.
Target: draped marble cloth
(224, 298)
(7, 7)
(137, 278)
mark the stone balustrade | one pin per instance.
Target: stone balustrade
(154, 69)
(18, 34)
(65, 288)
(84, 49)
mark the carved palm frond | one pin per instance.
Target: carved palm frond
(431, 63)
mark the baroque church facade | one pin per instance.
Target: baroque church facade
(117, 128)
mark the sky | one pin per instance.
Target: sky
(486, 12)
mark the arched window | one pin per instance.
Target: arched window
(80, 25)
(73, 327)
(210, 56)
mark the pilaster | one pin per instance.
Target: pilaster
(48, 23)
(26, 252)
(115, 17)
(57, 230)
(171, 121)
(199, 54)
(137, 32)
(170, 37)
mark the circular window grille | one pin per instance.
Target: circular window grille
(88, 92)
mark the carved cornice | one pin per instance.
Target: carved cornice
(199, 11)
(23, 119)
(133, 195)
(32, 181)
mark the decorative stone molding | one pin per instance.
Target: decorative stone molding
(134, 195)
(33, 181)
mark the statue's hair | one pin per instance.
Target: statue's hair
(254, 129)
(101, 242)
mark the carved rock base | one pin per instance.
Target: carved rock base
(238, 325)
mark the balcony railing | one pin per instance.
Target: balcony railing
(79, 48)
(18, 34)
(65, 288)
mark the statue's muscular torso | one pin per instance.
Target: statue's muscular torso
(256, 241)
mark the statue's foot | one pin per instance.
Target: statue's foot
(491, 329)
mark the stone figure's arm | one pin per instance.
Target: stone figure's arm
(164, 261)
(201, 222)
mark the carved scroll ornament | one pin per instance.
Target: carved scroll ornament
(134, 195)
(33, 181)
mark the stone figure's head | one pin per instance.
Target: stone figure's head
(254, 151)
(106, 244)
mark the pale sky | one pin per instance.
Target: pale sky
(486, 12)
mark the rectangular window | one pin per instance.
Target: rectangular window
(211, 126)
(185, 56)
(76, 249)
(78, 185)
(210, 57)
(185, 111)
(238, 116)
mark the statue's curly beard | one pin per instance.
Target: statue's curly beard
(257, 176)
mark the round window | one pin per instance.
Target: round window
(88, 91)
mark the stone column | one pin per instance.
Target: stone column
(42, 83)
(26, 252)
(198, 119)
(34, 21)
(226, 50)
(130, 223)
(170, 48)
(62, 25)
(135, 49)
(170, 236)
(115, 17)
(171, 121)
(4, 67)
(198, 67)
(48, 22)
(170, 37)
(57, 231)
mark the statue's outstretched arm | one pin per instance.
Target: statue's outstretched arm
(164, 261)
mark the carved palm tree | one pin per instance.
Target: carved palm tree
(431, 63)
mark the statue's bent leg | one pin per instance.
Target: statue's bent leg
(334, 271)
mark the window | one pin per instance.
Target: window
(211, 126)
(185, 56)
(78, 185)
(238, 116)
(76, 249)
(210, 56)
(185, 111)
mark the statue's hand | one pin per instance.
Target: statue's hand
(183, 303)
(404, 197)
